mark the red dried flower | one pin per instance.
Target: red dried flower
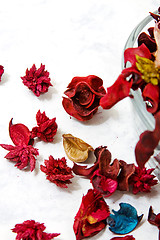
(22, 155)
(57, 171)
(84, 94)
(154, 219)
(31, 230)
(128, 237)
(142, 180)
(46, 129)
(37, 80)
(1, 71)
(91, 216)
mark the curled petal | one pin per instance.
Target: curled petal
(124, 220)
(118, 91)
(153, 218)
(148, 40)
(76, 149)
(150, 94)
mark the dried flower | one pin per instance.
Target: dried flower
(128, 237)
(75, 148)
(37, 80)
(46, 129)
(31, 230)
(84, 94)
(91, 216)
(154, 219)
(23, 155)
(142, 180)
(1, 71)
(57, 171)
(124, 220)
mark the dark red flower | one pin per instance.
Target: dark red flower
(57, 171)
(129, 237)
(46, 129)
(142, 180)
(84, 94)
(154, 219)
(37, 80)
(1, 71)
(150, 95)
(23, 155)
(91, 216)
(148, 141)
(31, 230)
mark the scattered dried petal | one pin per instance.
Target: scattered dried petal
(46, 129)
(75, 148)
(57, 171)
(128, 237)
(142, 180)
(124, 220)
(154, 219)
(37, 80)
(22, 155)
(31, 230)
(84, 94)
(91, 216)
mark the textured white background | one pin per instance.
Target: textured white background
(72, 38)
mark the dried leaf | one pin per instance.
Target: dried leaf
(76, 149)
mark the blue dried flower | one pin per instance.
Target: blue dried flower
(124, 220)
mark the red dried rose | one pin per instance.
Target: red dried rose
(22, 153)
(1, 71)
(148, 141)
(31, 230)
(154, 219)
(84, 94)
(142, 180)
(91, 216)
(129, 237)
(37, 80)
(57, 171)
(46, 129)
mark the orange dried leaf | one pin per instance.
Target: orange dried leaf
(76, 149)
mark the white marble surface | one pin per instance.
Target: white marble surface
(72, 38)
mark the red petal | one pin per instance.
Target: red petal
(151, 94)
(129, 237)
(118, 91)
(19, 134)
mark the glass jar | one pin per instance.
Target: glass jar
(141, 117)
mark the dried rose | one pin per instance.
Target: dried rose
(142, 180)
(46, 129)
(37, 80)
(22, 155)
(128, 237)
(75, 148)
(148, 141)
(91, 216)
(57, 171)
(154, 219)
(32, 230)
(1, 71)
(84, 94)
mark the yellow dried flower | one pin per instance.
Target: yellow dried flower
(150, 73)
(76, 149)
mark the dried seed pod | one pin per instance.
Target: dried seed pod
(75, 148)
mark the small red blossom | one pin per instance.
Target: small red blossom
(46, 129)
(57, 171)
(1, 71)
(91, 216)
(31, 230)
(128, 237)
(84, 94)
(22, 155)
(142, 180)
(37, 80)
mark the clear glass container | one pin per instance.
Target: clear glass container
(142, 118)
